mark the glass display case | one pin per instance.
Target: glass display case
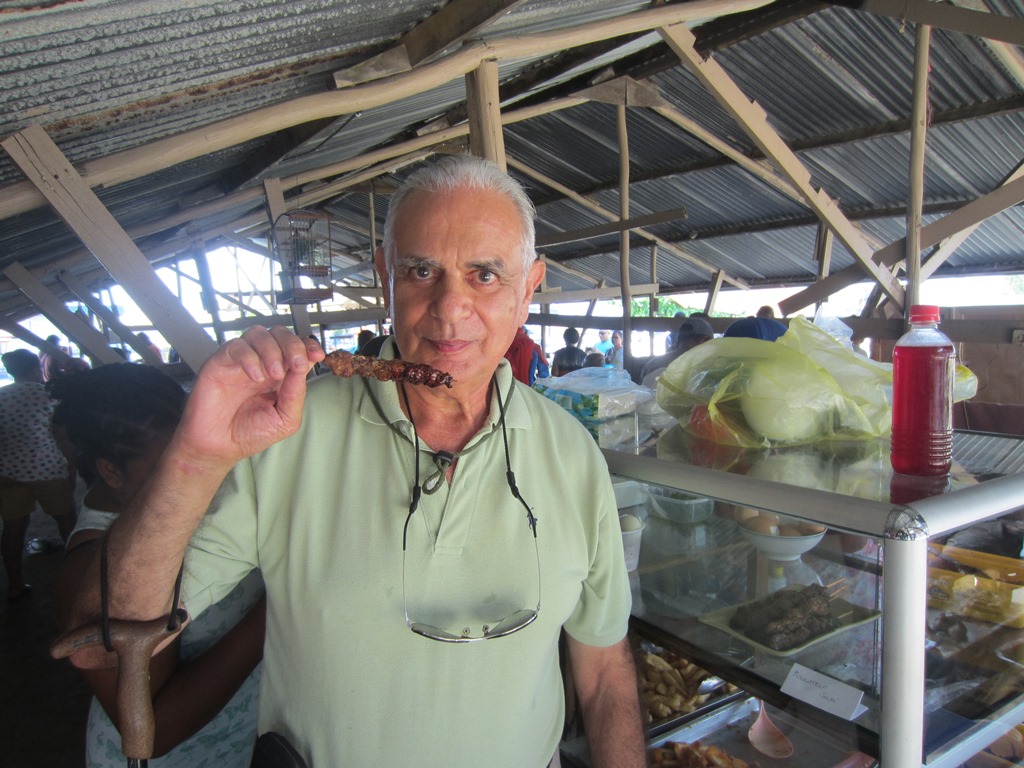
(902, 635)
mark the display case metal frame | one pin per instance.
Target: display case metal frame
(904, 530)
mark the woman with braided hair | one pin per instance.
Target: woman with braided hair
(118, 419)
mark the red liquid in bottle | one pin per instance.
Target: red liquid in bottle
(922, 417)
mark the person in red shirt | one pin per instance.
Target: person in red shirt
(527, 358)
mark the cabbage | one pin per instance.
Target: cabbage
(783, 404)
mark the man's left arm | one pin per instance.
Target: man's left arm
(605, 680)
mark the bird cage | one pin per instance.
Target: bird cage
(302, 240)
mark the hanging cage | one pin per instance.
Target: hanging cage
(302, 244)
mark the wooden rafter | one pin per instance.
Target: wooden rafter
(754, 122)
(39, 159)
(140, 161)
(611, 216)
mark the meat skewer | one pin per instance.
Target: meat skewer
(346, 364)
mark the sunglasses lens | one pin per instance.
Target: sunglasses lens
(511, 623)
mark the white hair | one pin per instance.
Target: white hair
(454, 172)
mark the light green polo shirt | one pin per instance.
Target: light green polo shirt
(322, 515)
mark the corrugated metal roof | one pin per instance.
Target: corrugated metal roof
(105, 76)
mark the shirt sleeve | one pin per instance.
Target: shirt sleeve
(223, 550)
(601, 617)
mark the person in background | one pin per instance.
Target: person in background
(527, 359)
(604, 346)
(393, 523)
(670, 341)
(570, 357)
(765, 328)
(616, 357)
(692, 332)
(594, 360)
(53, 365)
(365, 337)
(33, 468)
(144, 338)
(119, 419)
(765, 311)
(539, 368)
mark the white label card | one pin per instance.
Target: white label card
(824, 692)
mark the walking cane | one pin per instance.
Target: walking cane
(134, 643)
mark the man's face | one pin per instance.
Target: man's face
(603, 335)
(459, 288)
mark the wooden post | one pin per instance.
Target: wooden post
(627, 299)
(74, 326)
(113, 322)
(485, 135)
(206, 285)
(918, 139)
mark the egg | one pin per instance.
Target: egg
(744, 513)
(630, 523)
(810, 529)
(763, 524)
(790, 530)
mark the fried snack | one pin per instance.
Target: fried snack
(680, 754)
(668, 685)
(346, 364)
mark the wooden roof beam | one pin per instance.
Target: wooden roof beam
(1011, 192)
(435, 36)
(611, 216)
(753, 120)
(991, 26)
(156, 155)
(40, 160)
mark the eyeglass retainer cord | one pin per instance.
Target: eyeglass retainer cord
(509, 474)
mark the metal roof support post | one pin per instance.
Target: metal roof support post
(918, 140)
(627, 299)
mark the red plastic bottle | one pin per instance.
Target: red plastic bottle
(922, 397)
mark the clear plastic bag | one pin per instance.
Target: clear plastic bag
(805, 387)
(594, 394)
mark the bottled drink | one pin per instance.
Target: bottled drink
(922, 397)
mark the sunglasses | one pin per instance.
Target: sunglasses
(505, 626)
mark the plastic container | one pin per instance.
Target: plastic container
(922, 397)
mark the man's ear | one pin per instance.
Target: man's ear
(534, 277)
(109, 473)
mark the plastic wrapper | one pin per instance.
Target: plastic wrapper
(594, 394)
(754, 393)
(806, 387)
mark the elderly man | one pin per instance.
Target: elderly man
(396, 524)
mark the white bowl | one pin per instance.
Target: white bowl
(679, 507)
(781, 547)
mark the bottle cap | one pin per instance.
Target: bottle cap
(924, 313)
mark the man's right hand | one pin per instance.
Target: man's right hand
(247, 396)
